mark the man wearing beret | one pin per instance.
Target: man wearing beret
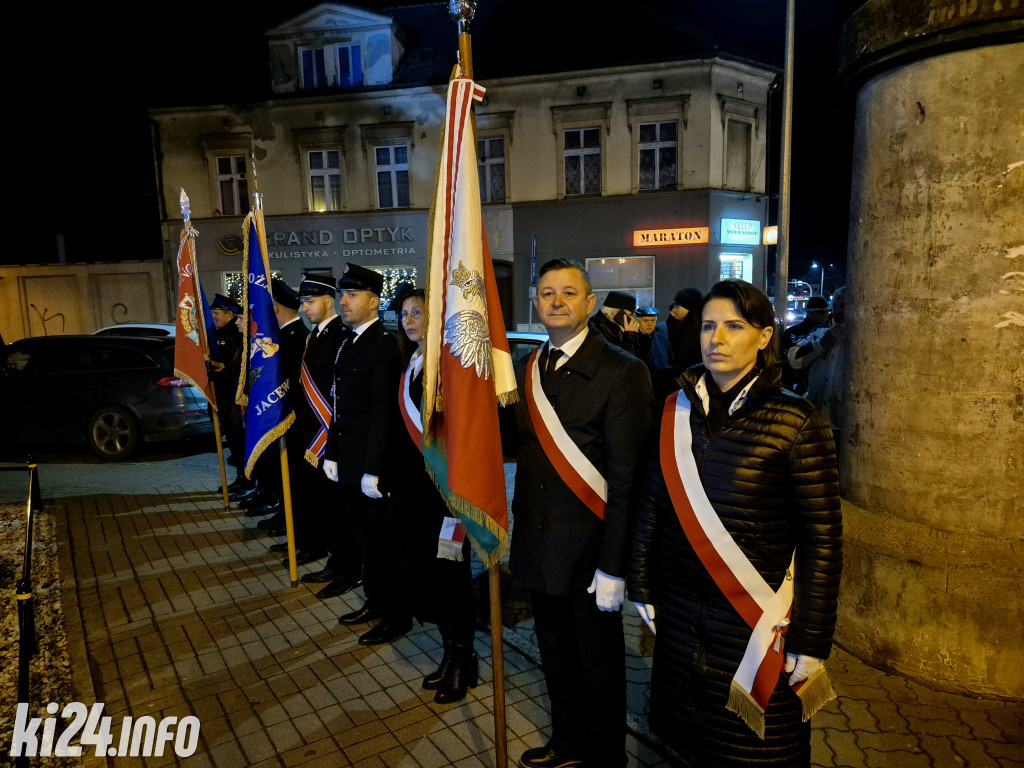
(616, 322)
(366, 375)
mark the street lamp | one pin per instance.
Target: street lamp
(821, 289)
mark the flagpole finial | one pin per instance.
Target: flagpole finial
(186, 208)
(462, 12)
(257, 198)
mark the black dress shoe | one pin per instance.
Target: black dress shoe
(386, 632)
(271, 523)
(259, 500)
(235, 485)
(281, 547)
(263, 511)
(337, 587)
(302, 557)
(544, 757)
(242, 495)
(320, 577)
(361, 616)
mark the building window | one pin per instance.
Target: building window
(392, 166)
(659, 150)
(332, 66)
(736, 266)
(737, 155)
(634, 275)
(233, 185)
(324, 180)
(490, 155)
(582, 153)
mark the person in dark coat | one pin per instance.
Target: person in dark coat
(358, 456)
(224, 311)
(683, 329)
(311, 489)
(615, 321)
(292, 333)
(764, 461)
(437, 552)
(808, 330)
(568, 548)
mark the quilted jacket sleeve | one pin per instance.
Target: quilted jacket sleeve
(818, 529)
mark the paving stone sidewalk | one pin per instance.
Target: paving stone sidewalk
(176, 608)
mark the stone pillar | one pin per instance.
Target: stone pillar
(933, 453)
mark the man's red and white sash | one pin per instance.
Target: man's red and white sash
(765, 610)
(322, 410)
(575, 469)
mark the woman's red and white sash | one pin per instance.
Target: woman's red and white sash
(410, 411)
(765, 610)
(452, 533)
(575, 469)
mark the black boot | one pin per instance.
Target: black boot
(460, 675)
(433, 681)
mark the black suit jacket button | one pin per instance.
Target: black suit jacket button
(543, 486)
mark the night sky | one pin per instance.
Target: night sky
(89, 170)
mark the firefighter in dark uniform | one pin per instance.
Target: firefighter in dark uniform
(225, 311)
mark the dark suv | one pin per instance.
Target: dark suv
(109, 391)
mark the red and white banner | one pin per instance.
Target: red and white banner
(467, 367)
(575, 469)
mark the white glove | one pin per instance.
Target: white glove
(646, 611)
(801, 667)
(331, 470)
(610, 591)
(368, 485)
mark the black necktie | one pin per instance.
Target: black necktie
(554, 355)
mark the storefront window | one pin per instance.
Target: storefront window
(633, 275)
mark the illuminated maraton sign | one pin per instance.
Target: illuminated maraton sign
(771, 236)
(678, 236)
(741, 232)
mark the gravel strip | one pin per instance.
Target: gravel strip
(50, 674)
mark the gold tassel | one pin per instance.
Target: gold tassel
(741, 704)
(507, 398)
(449, 550)
(816, 692)
(312, 458)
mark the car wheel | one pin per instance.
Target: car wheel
(113, 433)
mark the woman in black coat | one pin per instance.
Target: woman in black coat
(437, 563)
(744, 475)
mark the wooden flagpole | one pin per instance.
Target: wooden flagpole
(462, 12)
(220, 450)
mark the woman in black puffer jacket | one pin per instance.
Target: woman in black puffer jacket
(766, 461)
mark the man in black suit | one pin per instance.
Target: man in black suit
(312, 423)
(594, 401)
(358, 452)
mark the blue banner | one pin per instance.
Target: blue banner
(267, 413)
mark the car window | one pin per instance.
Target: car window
(17, 361)
(117, 358)
(520, 348)
(48, 359)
